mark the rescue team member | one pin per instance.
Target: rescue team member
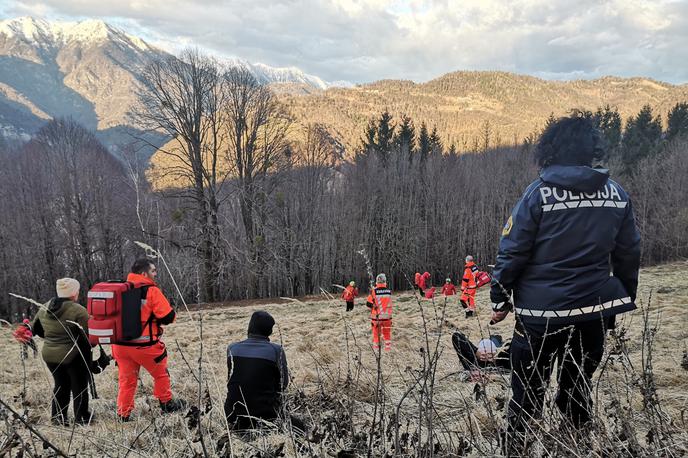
(425, 281)
(380, 304)
(54, 322)
(148, 350)
(417, 282)
(422, 282)
(570, 227)
(257, 376)
(468, 286)
(448, 289)
(350, 293)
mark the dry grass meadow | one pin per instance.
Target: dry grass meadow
(641, 390)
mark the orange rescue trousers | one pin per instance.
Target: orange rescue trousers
(153, 358)
(468, 299)
(383, 327)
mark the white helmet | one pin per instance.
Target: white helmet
(469, 258)
(381, 278)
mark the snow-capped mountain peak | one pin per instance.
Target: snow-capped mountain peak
(26, 28)
(267, 74)
(42, 33)
(90, 71)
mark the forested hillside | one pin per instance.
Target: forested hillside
(470, 108)
(298, 218)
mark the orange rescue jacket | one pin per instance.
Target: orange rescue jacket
(468, 281)
(156, 305)
(380, 302)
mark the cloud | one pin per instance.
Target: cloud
(365, 40)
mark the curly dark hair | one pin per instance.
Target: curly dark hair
(571, 140)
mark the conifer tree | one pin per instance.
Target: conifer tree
(368, 143)
(385, 135)
(424, 142)
(436, 146)
(486, 135)
(405, 138)
(608, 120)
(677, 121)
(641, 137)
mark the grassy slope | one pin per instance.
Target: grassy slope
(315, 337)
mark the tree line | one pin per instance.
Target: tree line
(259, 207)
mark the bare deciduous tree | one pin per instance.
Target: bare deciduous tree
(258, 148)
(184, 97)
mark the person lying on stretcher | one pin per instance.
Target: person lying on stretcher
(492, 353)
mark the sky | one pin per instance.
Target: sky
(367, 40)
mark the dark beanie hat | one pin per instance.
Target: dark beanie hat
(261, 323)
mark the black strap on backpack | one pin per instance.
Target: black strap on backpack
(131, 317)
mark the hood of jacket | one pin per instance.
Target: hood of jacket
(575, 177)
(260, 324)
(55, 308)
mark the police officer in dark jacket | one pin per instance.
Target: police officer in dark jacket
(257, 375)
(571, 228)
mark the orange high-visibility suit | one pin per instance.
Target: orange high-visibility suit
(151, 353)
(468, 286)
(380, 303)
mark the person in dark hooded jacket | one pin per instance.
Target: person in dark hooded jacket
(62, 322)
(570, 255)
(257, 376)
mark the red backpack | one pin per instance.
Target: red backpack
(114, 309)
(482, 279)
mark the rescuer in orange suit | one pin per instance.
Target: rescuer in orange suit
(147, 350)
(380, 304)
(468, 286)
(417, 280)
(448, 289)
(350, 293)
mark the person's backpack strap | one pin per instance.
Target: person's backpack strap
(135, 338)
(151, 317)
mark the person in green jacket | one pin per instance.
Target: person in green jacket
(58, 322)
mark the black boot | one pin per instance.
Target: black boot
(469, 314)
(85, 419)
(173, 405)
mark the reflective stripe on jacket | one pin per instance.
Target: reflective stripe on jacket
(468, 279)
(380, 302)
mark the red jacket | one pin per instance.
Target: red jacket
(424, 280)
(350, 293)
(449, 289)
